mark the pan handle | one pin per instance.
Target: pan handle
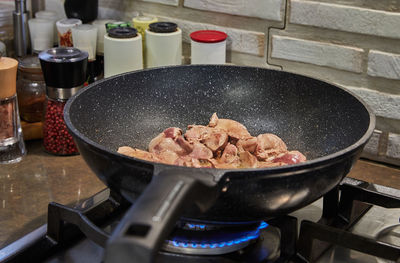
(147, 224)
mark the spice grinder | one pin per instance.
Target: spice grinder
(12, 146)
(64, 71)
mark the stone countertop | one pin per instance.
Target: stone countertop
(27, 187)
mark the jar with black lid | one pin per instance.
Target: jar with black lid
(163, 44)
(31, 89)
(122, 51)
(64, 71)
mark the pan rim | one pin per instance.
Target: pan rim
(273, 170)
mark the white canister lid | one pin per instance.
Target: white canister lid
(68, 23)
(47, 14)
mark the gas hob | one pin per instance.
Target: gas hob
(355, 222)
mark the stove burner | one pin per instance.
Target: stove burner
(201, 239)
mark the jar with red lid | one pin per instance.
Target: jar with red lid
(64, 70)
(208, 47)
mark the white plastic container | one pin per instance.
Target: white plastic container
(208, 47)
(163, 45)
(122, 51)
(49, 15)
(41, 33)
(141, 23)
(64, 31)
(100, 24)
(84, 38)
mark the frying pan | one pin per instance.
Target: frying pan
(326, 123)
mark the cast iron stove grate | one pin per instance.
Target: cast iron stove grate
(342, 208)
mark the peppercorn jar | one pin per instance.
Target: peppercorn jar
(31, 89)
(64, 71)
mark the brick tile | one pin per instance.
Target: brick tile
(165, 2)
(317, 53)
(265, 9)
(383, 64)
(372, 146)
(393, 150)
(345, 18)
(383, 104)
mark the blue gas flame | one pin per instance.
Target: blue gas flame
(248, 236)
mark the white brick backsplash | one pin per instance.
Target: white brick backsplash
(372, 146)
(265, 9)
(383, 64)
(345, 18)
(393, 150)
(239, 40)
(109, 13)
(383, 104)
(317, 53)
(165, 2)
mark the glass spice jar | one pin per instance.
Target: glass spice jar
(31, 89)
(12, 146)
(64, 71)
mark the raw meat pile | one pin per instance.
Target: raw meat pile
(223, 144)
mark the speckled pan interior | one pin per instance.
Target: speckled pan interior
(309, 115)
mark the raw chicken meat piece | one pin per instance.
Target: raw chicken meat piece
(137, 153)
(223, 144)
(200, 151)
(167, 157)
(234, 129)
(230, 154)
(247, 160)
(196, 133)
(268, 164)
(213, 138)
(213, 120)
(269, 145)
(291, 157)
(172, 132)
(170, 140)
(248, 144)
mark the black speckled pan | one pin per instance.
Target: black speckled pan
(328, 124)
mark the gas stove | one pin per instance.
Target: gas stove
(355, 222)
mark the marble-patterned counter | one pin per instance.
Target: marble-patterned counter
(27, 187)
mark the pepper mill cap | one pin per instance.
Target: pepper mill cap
(64, 67)
(8, 77)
